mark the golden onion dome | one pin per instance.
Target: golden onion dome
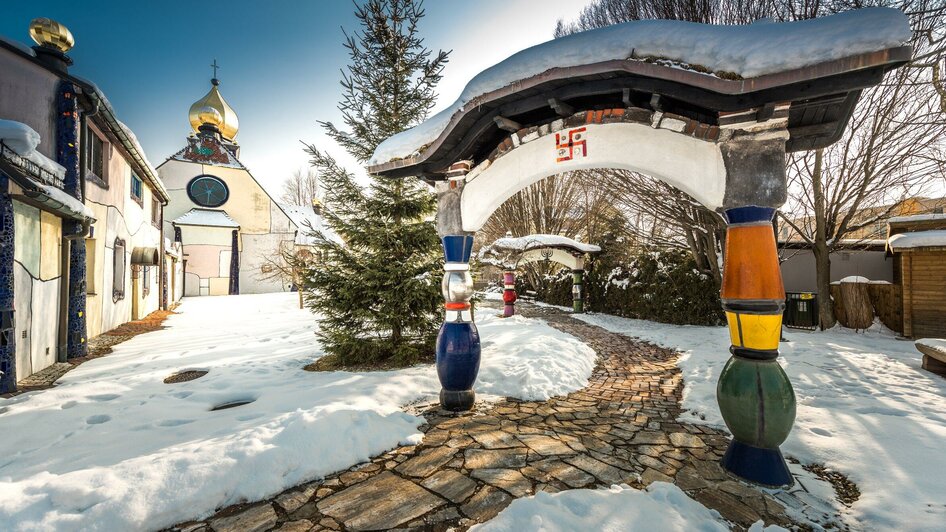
(226, 118)
(51, 34)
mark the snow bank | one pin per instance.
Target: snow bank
(917, 239)
(865, 408)
(515, 364)
(23, 139)
(661, 507)
(114, 448)
(749, 51)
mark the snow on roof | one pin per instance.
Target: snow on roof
(525, 243)
(23, 139)
(206, 217)
(307, 220)
(917, 218)
(745, 50)
(917, 239)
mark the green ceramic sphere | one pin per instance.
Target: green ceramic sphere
(757, 401)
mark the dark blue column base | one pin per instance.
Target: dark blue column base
(755, 464)
(457, 400)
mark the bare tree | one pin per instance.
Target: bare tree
(302, 188)
(892, 149)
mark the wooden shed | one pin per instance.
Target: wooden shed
(918, 244)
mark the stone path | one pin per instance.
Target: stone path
(622, 428)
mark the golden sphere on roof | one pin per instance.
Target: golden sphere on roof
(227, 121)
(209, 115)
(51, 34)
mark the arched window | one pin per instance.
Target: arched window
(118, 270)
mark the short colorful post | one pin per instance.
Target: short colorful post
(509, 293)
(458, 344)
(754, 394)
(578, 291)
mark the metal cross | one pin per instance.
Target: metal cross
(215, 67)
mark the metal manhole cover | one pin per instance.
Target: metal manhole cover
(184, 376)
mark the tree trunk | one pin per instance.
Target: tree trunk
(820, 249)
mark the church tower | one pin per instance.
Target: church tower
(228, 225)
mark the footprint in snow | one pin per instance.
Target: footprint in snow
(821, 432)
(98, 419)
(104, 397)
(68, 404)
(174, 422)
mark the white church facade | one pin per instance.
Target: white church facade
(229, 227)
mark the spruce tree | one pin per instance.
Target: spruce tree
(376, 291)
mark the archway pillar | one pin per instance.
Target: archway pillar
(578, 291)
(458, 342)
(754, 394)
(509, 293)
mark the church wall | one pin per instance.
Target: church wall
(36, 277)
(29, 96)
(263, 228)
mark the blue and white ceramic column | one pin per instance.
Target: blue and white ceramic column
(67, 150)
(7, 329)
(458, 344)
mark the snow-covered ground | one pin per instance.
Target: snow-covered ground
(865, 409)
(114, 448)
(661, 507)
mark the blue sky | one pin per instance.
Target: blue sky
(280, 61)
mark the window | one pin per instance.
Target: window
(118, 271)
(155, 213)
(90, 266)
(208, 191)
(145, 280)
(95, 155)
(136, 188)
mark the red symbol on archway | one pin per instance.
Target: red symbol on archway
(572, 146)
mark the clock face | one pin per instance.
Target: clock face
(208, 191)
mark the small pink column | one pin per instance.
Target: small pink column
(509, 293)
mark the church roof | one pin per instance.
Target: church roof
(207, 149)
(206, 218)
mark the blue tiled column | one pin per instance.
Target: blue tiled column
(7, 328)
(458, 344)
(67, 150)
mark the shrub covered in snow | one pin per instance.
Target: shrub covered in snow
(659, 285)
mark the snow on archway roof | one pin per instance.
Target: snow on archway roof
(747, 51)
(526, 243)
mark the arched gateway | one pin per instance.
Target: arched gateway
(509, 253)
(711, 110)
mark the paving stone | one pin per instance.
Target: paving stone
(728, 506)
(426, 462)
(545, 445)
(330, 524)
(496, 439)
(459, 441)
(605, 473)
(450, 484)
(302, 525)
(353, 477)
(292, 500)
(486, 504)
(688, 479)
(508, 480)
(650, 438)
(383, 501)
(651, 475)
(494, 458)
(254, 519)
(683, 439)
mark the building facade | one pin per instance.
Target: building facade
(80, 211)
(229, 227)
